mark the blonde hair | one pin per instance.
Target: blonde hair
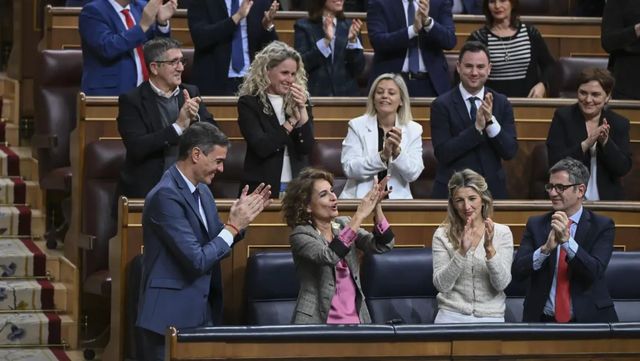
(454, 224)
(404, 111)
(256, 82)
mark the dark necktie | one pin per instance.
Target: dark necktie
(473, 110)
(414, 60)
(129, 21)
(237, 53)
(196, 196)
(563, 297)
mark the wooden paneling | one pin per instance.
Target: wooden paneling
(564, 36)
(533, 116)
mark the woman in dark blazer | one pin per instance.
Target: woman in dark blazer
(331, 49)
(596, 136)
(275, 118)
(324, 248)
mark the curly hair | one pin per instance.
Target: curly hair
(298, 196)
(256, 82)
(454, 223)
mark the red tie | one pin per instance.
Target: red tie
(129, 20)
(563, 298)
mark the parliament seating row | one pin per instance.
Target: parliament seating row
(602, 341)
(564, 36)
(399, 289)
(414, 223)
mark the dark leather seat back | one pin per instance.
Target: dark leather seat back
(326, 154)
(452, 60)
(568, 71)
(363, 78)
(271, 287)
(56, 86)
(539, 172)
(398, 286)
(227, 184)
(103, 161)
(187, 53)
(544, 7)
(421, 187)
(515, 299)
(624, 284)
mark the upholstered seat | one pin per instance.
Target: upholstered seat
(624, 285)
(271, 288)
(227, 184)
(398, 286)
(568, 71)
(326, 154)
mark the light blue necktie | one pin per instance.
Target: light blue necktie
(414, 60)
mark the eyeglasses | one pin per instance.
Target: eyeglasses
(558, 187)
(173, 62)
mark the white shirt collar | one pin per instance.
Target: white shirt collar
(162, 93)
(189, 184)
(117, 7)
(465, 94)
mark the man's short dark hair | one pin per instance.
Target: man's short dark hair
(202, 135)
(578, 172)
(155, 48)
(474, 47)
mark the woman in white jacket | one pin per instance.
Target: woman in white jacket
(384, 141)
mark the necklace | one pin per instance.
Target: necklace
(507, 57)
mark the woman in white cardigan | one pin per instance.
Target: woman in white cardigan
(471, 255)
(384, 141)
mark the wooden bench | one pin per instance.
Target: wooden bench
(407, 342)
(413, 221)
(564, 36)
(331, 114)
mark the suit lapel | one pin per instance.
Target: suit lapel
(371, 135)
(461, 107)
(210, 212)
(186, 194)
(584, 225)
(115, 17)
(397, 11)
(150, 106)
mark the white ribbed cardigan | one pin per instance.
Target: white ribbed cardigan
(471, 284)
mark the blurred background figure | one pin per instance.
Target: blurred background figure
(324, 248)
(621, 39)
(471, 255)
(331, 49)
(226, 34)
(521, 64)
(594, 135)
(383, 142)
(275, 118)
(409, 37)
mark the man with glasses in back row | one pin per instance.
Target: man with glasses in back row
(152, 117)
(565, 254)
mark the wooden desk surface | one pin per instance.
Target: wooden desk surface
(565, 36)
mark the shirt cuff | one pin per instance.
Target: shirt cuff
(382, 225)
(226, 236)
(411, 32)
(356, 45)
(323, 47)
(347, 235)
(494, 128)
(571, 247)
(164, 29)
(177, 128)
(538, 259)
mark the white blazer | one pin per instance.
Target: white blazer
(361, 161)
